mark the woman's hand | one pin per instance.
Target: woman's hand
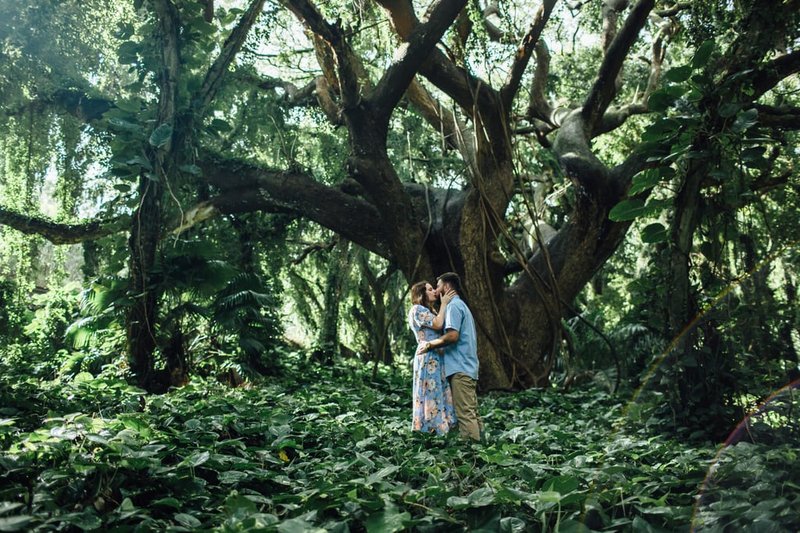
(446, 297)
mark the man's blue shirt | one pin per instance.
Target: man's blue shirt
(462, 356)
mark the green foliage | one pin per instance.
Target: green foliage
(246, 309)
(12, 312)
(331, 449)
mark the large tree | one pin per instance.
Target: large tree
(486, 116)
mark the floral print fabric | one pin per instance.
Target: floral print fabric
(432, 399)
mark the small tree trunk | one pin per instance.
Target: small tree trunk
(328, 339)
(141, 320)
(687, 212)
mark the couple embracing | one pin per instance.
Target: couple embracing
(446, 363)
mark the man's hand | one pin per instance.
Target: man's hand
(423, 347)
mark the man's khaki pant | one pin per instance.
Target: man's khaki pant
(465, 401)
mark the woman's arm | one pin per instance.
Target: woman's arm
(438, 322)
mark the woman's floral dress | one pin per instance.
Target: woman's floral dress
(432, 400)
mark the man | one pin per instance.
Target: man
(460, 357)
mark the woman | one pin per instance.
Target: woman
(432, 400)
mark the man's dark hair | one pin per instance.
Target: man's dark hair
(452, 279)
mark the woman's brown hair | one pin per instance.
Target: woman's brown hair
(418, 293)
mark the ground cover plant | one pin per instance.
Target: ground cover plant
(329, 449)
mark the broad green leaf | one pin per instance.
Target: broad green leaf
(382, 473)
(298, 525)
(129, 106)
(745, 120)
(15, 523)
(7, 507)
(662, 129)
(703, 54)
(238, 505)
(196, 459)
(187, 520)
(87, 520)
(191, 169)
(232, 476)
(728, 109)
(481, 497)
(161, 135)
(127, 52)
(654, 233)
(125, 125)
(549, 496)
(562, 484)
(662, 99)
(644, 181)
(678, 74)
(220, 125)
(388, 520)
(168, 502)
(82, 377)
(627, 210)
(139, 161)
(753, 153)
(458, 502)
(640, 524)
(512, 524)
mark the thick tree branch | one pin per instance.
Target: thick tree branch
(170, 58)
(73, 101)
(610, 11)
(293, 95)
(767, 182)
(59, 233)
(779, 117)
(245, 188)
(494, 33)
(580, 164)
(615, 117)
(539, 106)
(412, 53)
(770, 74)
(674, 10)
(402, 15)
(764, 27)
(454, 133)
(523, 55)
(454, 81)
(230, 48)
(347, 70)
(604, 89)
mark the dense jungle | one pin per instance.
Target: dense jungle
(212, 212)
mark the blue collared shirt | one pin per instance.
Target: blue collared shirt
(462, 356)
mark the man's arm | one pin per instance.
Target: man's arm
(450, 337)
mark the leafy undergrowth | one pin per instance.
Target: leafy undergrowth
(330, 449)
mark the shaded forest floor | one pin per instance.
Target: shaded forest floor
(330, 449)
